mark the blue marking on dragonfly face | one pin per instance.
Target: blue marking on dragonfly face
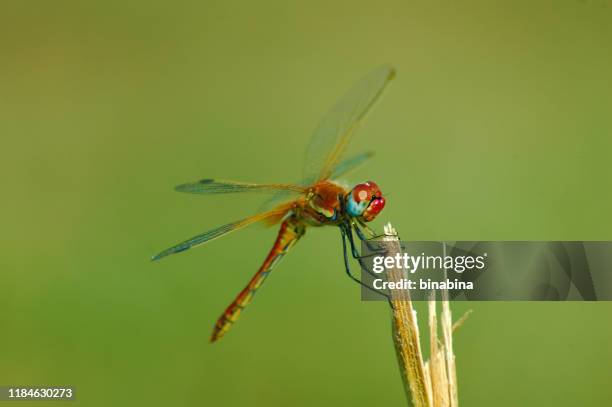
(353, 208)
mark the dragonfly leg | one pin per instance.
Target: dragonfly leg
(373, 235)
(347, 234)
(359, 258)
(356, 255)
(347, 265)
(367, 240)
(369, 231)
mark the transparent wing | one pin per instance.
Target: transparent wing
(335, 131)
(211, 186)
(344, 167)
(269, 216)
(350, 164)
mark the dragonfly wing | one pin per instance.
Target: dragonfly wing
(276, 199)
(350, 164)
(289, 234)
(275, 214)
(344, 167)
(335, 131)
(211, 186)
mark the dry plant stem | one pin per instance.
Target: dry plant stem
(447, 334)
(406, 332)
(461, 320)
(434, 383)
(437, 366)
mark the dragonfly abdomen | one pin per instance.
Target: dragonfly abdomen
(290, 232)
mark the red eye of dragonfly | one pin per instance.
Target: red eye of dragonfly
(365, 201)
(375, 207)
(362, 193)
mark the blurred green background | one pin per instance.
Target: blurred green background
(497, 126)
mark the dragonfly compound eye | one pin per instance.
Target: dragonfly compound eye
(365, 200)
(375, 207)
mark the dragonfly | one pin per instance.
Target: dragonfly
(318, 200)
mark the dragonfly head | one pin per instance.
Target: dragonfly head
(365, 201)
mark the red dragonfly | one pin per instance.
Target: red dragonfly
(318, 200)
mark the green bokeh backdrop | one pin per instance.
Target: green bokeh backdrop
(497, 127)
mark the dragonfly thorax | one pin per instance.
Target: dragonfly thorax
(324, 202)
